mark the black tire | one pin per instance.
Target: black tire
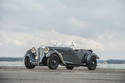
(53, 61)
(69, 67)
(28, 65)
(92, 63)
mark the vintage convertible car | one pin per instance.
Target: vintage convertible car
(65, 56)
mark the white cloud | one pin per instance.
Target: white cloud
(114, 46)
(91, 24)
(26, 40)
(79, 23)
(22, 39)
(1, 44)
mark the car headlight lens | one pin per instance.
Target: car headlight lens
(46, 50)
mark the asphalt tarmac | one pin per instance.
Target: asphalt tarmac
(61, 75)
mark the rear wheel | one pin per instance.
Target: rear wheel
(69, 67)
(92, 63)
(28, 65)
(53, 61)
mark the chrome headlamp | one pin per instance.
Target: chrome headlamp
(46, 50)
(36, 57)
(33, 50)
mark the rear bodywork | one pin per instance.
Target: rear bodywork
(67, 55)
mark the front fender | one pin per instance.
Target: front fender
(28, 54)
(57, 53)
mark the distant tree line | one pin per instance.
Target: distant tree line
(11, 59)
(112, 61)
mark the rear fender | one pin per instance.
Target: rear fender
(92, 55)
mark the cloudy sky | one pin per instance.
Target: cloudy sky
(95, 24)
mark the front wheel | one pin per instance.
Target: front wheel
(92, 63)
(53, 61)
(28, 65)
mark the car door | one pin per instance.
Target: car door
(75, 58)
(65, 54)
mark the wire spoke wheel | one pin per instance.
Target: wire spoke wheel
(92, 63)
(27, 63)
(53, 61)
